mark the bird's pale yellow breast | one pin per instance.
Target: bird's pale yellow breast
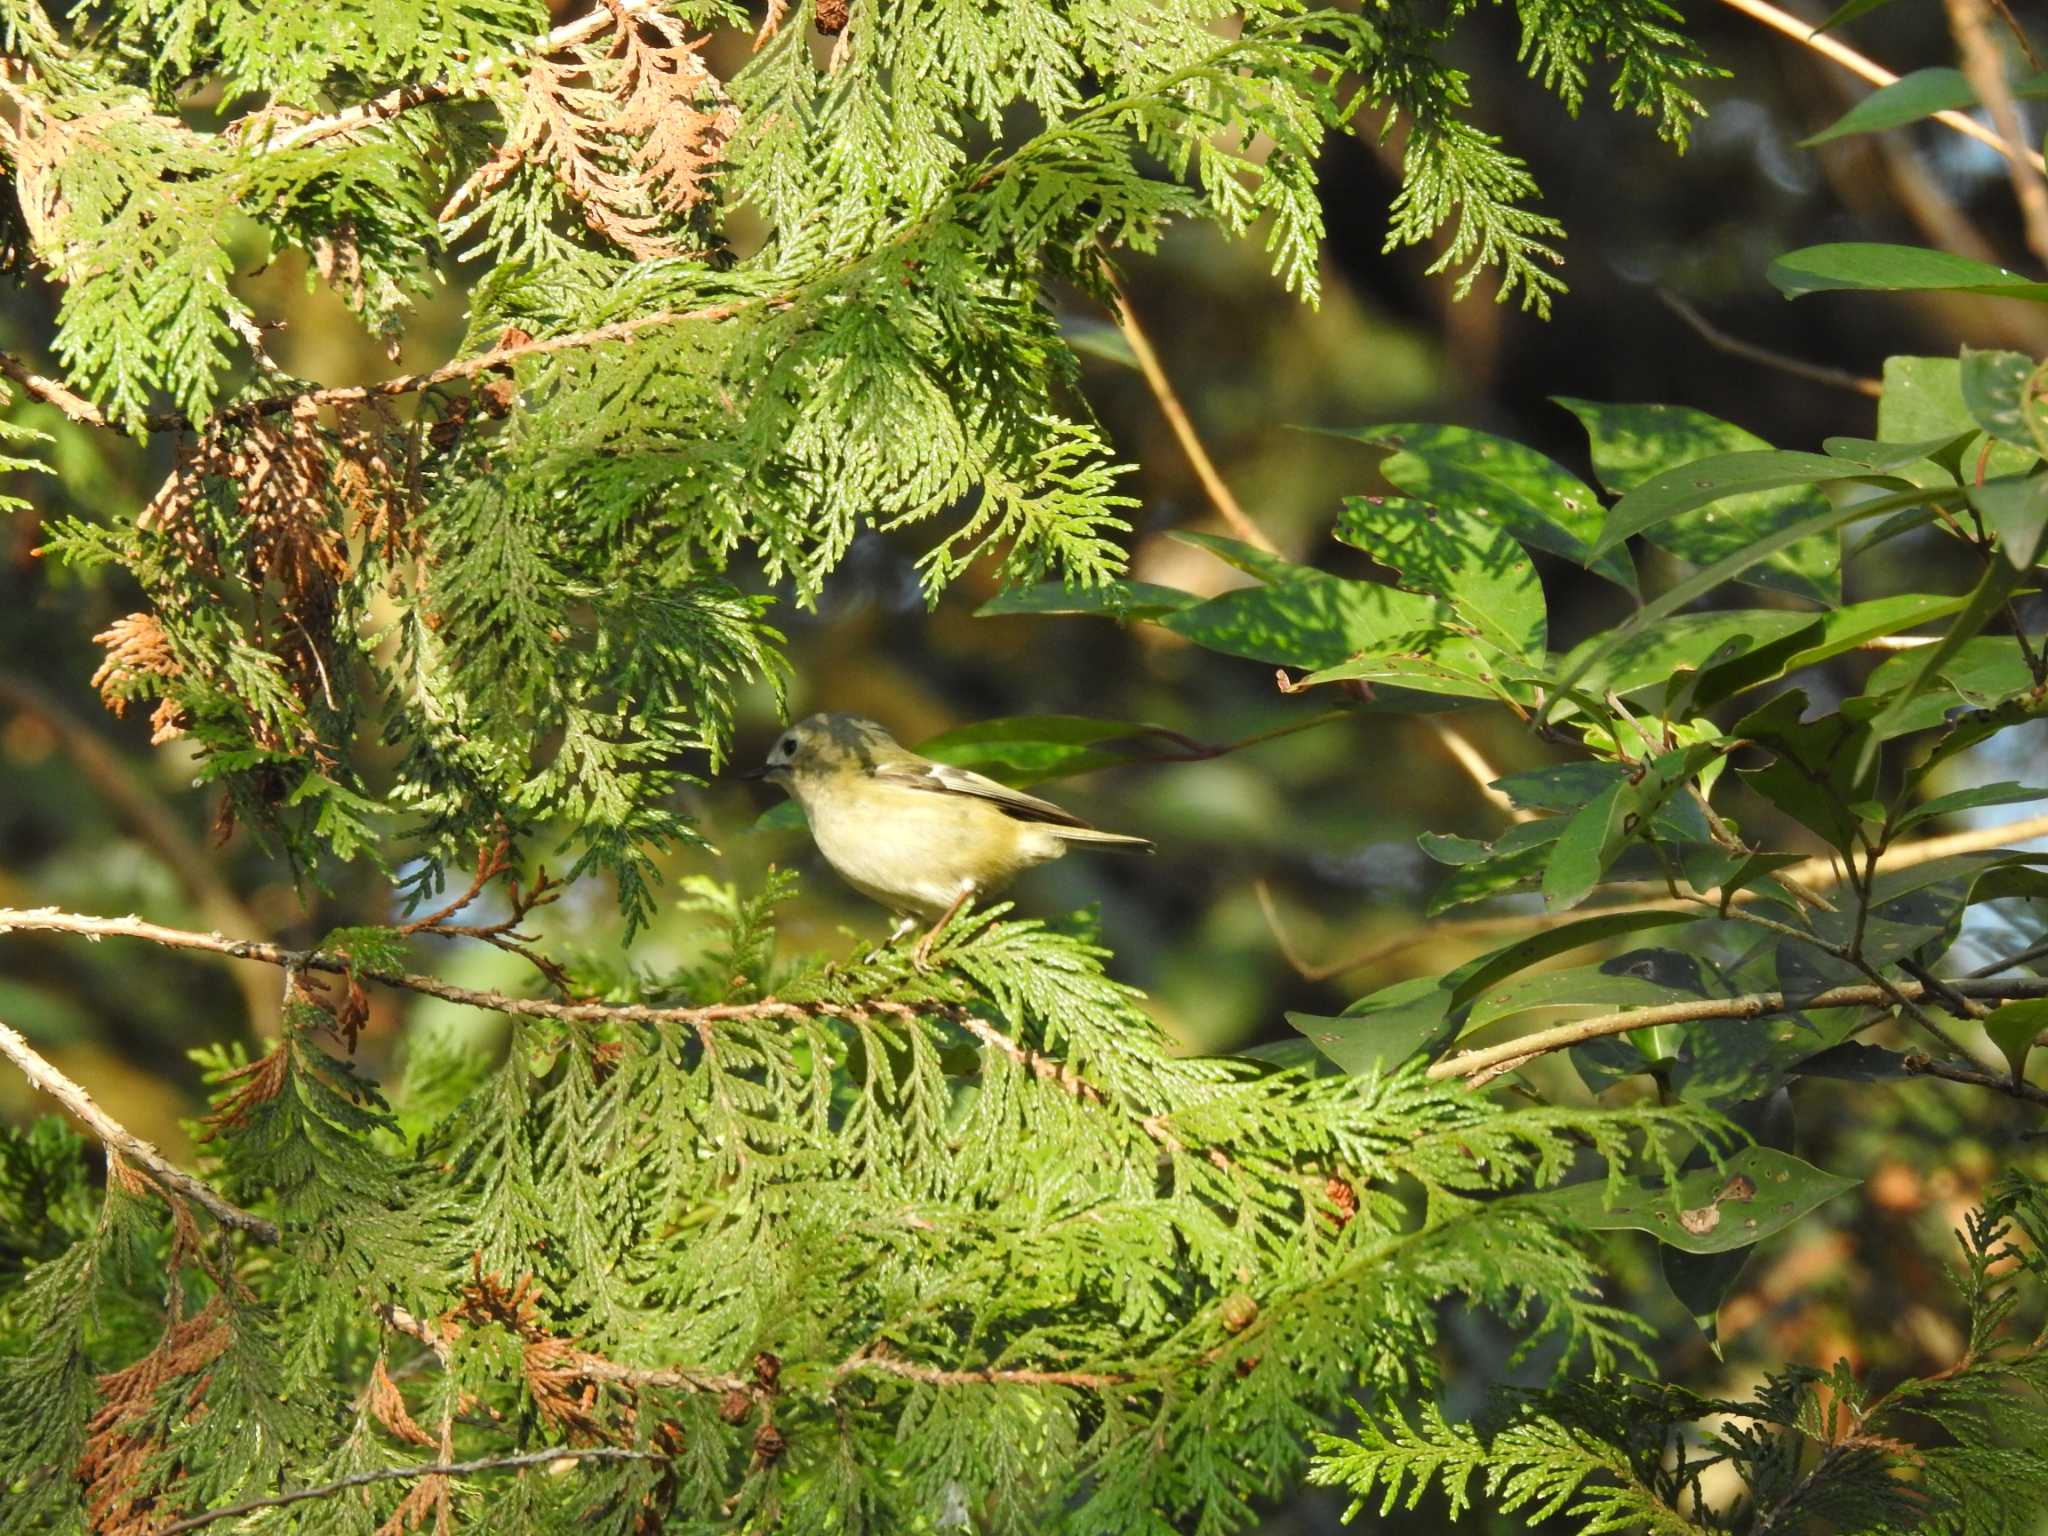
(916, 850)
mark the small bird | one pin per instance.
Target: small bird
(917, 836)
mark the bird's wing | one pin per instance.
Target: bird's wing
(942, 778)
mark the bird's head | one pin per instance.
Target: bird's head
(823, 746)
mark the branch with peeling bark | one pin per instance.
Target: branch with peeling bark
(42, 1075)
(1490, 1060)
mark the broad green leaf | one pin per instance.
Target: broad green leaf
(784, 816)
(1598, 831)
(1994, 387)
(1702, 1281)
(1560, 787)
(1687, 642)
(1475, 976)
(1822, 638)
(1895, 269)
(1442, 661)
(2012, 1028)
(2016, 509)
(1461, 556)
(1716, 478)
(1849, 11)
(1382, 1030)
(1591, 841)
(1813, 775)
(1987, 600)
(1908, 99)
(1248, 558)
(1515, 486)
(1755, 1193)
(1028, 749)
(2007, 793)
(1127, 600)
(1700, 583)
(1513, 860)
(1586, 986)
(1632, 444)
(1983, 673)
(1310, 621)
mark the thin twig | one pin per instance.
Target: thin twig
(540, 1458)
(405, 97)
(1751, 1005)
(1023, 1376)
(463, 368)
(110, 1131)
(1984, 68)
(1478, 770)
(1177, 418)
(1997, 1082)
(1803, 32)
(51, 920)
(1735, 346)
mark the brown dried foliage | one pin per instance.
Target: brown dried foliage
(258, 1083)
(139, 660)
(632, 124)
(119, 1469)
(387, 1406)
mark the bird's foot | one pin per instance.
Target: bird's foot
(921, 957)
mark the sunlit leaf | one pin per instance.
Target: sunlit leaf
(1895, 269)
(1755, 1193)
(1632, 444)
(1515, 486)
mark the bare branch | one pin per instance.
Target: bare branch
(52, 392)
(112, 1133)
(1735, 346)
(1753, 1005)
(540, 1458)
(404, 98)
(1984, 68)
(1803, 33)
(1219, 493)
(1477, 769)
(1997, 1082)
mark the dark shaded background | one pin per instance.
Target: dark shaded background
(93, 819)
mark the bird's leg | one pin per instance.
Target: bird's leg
(904, 923)
(922, 958)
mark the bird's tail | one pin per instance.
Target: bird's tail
(1117, 840)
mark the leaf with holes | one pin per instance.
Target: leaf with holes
(1756, 1193)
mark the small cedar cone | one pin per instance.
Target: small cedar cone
(767, 1370)
(735, 1406)
(769, 1444)
(829, 16)
(1246, 1366)
(1344, 1198)
(1239, 1311)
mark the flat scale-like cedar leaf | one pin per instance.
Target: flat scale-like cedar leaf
(1753, 1194)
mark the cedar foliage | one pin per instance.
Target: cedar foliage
(746, 316)
(821, 1247)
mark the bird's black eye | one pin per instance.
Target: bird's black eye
(789, 746)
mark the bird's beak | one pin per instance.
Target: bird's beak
(753, 773)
